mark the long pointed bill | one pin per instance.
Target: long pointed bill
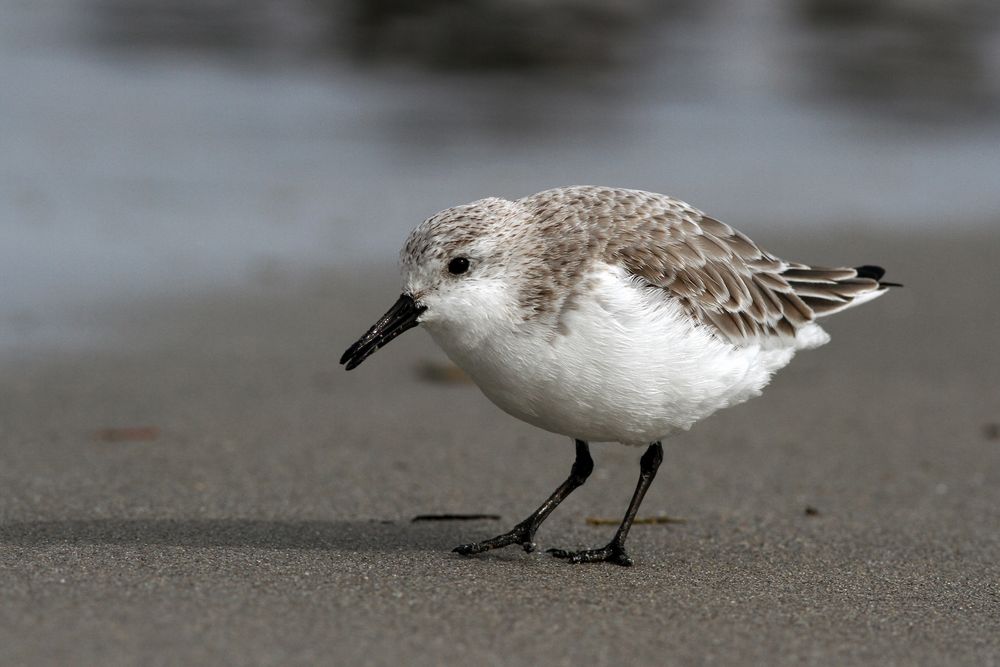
(402, 316)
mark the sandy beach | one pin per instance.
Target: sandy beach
(257, 507)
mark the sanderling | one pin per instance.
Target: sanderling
(607, 315)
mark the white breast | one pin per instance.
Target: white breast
(624, 363)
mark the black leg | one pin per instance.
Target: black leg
(614, 552)
(524, 532)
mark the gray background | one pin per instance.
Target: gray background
(200, 206)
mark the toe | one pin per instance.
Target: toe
(614, 555)
(622, 559)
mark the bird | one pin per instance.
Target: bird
(607, 315)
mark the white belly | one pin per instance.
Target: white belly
(625, 364)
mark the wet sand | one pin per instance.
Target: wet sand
(261, 511)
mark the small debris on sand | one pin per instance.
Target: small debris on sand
(442, 372)
(649, 520)
(811, 511)
(991, 431)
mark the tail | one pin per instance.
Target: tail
(827, 291)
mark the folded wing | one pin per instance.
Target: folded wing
(724, 280)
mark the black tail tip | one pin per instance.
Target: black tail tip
(875, 273)
(870, 271)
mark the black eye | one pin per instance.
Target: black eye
(458, 265)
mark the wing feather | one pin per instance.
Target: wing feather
(727, 282)
(721, 278)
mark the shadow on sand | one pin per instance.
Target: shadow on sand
(253, 533)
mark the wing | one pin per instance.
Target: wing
(724, 280)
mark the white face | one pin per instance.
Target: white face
(464, 287)
(456, 281)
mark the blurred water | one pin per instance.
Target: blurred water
(131, 167)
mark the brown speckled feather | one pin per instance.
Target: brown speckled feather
(722, 278)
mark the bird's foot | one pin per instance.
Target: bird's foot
(522, 534)
(612, 553)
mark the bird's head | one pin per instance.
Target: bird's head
(456, 278)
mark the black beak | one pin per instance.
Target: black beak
(402, 316)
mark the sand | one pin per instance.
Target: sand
(261, 512)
